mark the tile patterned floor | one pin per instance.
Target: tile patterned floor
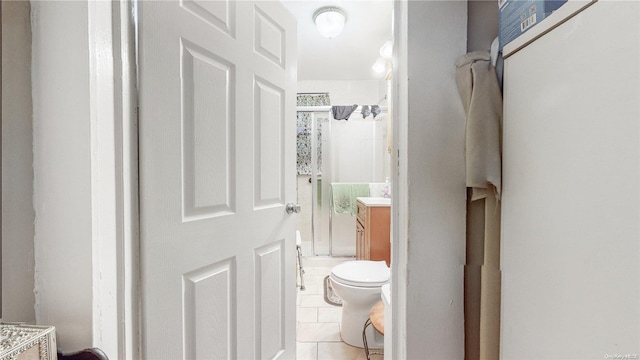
(318, 332)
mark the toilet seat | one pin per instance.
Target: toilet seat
(362, 273)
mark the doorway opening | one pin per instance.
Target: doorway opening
(334, 154)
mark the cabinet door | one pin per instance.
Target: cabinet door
(378, 233)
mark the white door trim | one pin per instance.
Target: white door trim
(114, 179)
(129, 244)
(399, 217)
(104, 176)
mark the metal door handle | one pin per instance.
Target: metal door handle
(292, 208)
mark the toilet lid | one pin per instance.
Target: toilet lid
(362, 273)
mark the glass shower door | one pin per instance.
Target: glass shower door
(353, 151)
(320, 147)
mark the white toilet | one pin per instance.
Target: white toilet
(358, 283)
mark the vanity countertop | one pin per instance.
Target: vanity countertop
(374, 201)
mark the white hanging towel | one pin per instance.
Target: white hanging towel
(482, 101)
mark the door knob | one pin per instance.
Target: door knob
(292, 208)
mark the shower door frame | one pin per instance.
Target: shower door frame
(315, 111)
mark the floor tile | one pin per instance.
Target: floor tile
(314, 279)
(313, 301)
(312, 289)
(308, 315)
(307, 351)
(332, 314)
(311, 271)
(318, 323)
(324, 271)
(308, 332)
(339, 350)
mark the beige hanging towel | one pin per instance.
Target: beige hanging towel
(482, 101)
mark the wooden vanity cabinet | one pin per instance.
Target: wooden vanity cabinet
(373, 226)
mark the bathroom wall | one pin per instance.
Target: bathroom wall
(17, 164)
(357, 150)
(342, 92)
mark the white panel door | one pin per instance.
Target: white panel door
(217, 166)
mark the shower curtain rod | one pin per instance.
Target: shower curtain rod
(327, 108)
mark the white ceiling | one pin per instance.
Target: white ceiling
(350, 55)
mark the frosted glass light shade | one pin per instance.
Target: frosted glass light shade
(330, 21)
(386, 50)
(379, 66)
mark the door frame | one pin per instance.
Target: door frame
(124, 87)
(125, 121)
(399, 177)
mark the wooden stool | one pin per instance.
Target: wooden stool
(376, 318)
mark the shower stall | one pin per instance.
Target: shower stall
(331, 153)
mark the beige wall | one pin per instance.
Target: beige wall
(17, 165)
(482, 27)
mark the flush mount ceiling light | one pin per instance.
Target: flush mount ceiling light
(386, 50)
(329, 21)
(379, 66)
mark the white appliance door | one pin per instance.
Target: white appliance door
(217, 165)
